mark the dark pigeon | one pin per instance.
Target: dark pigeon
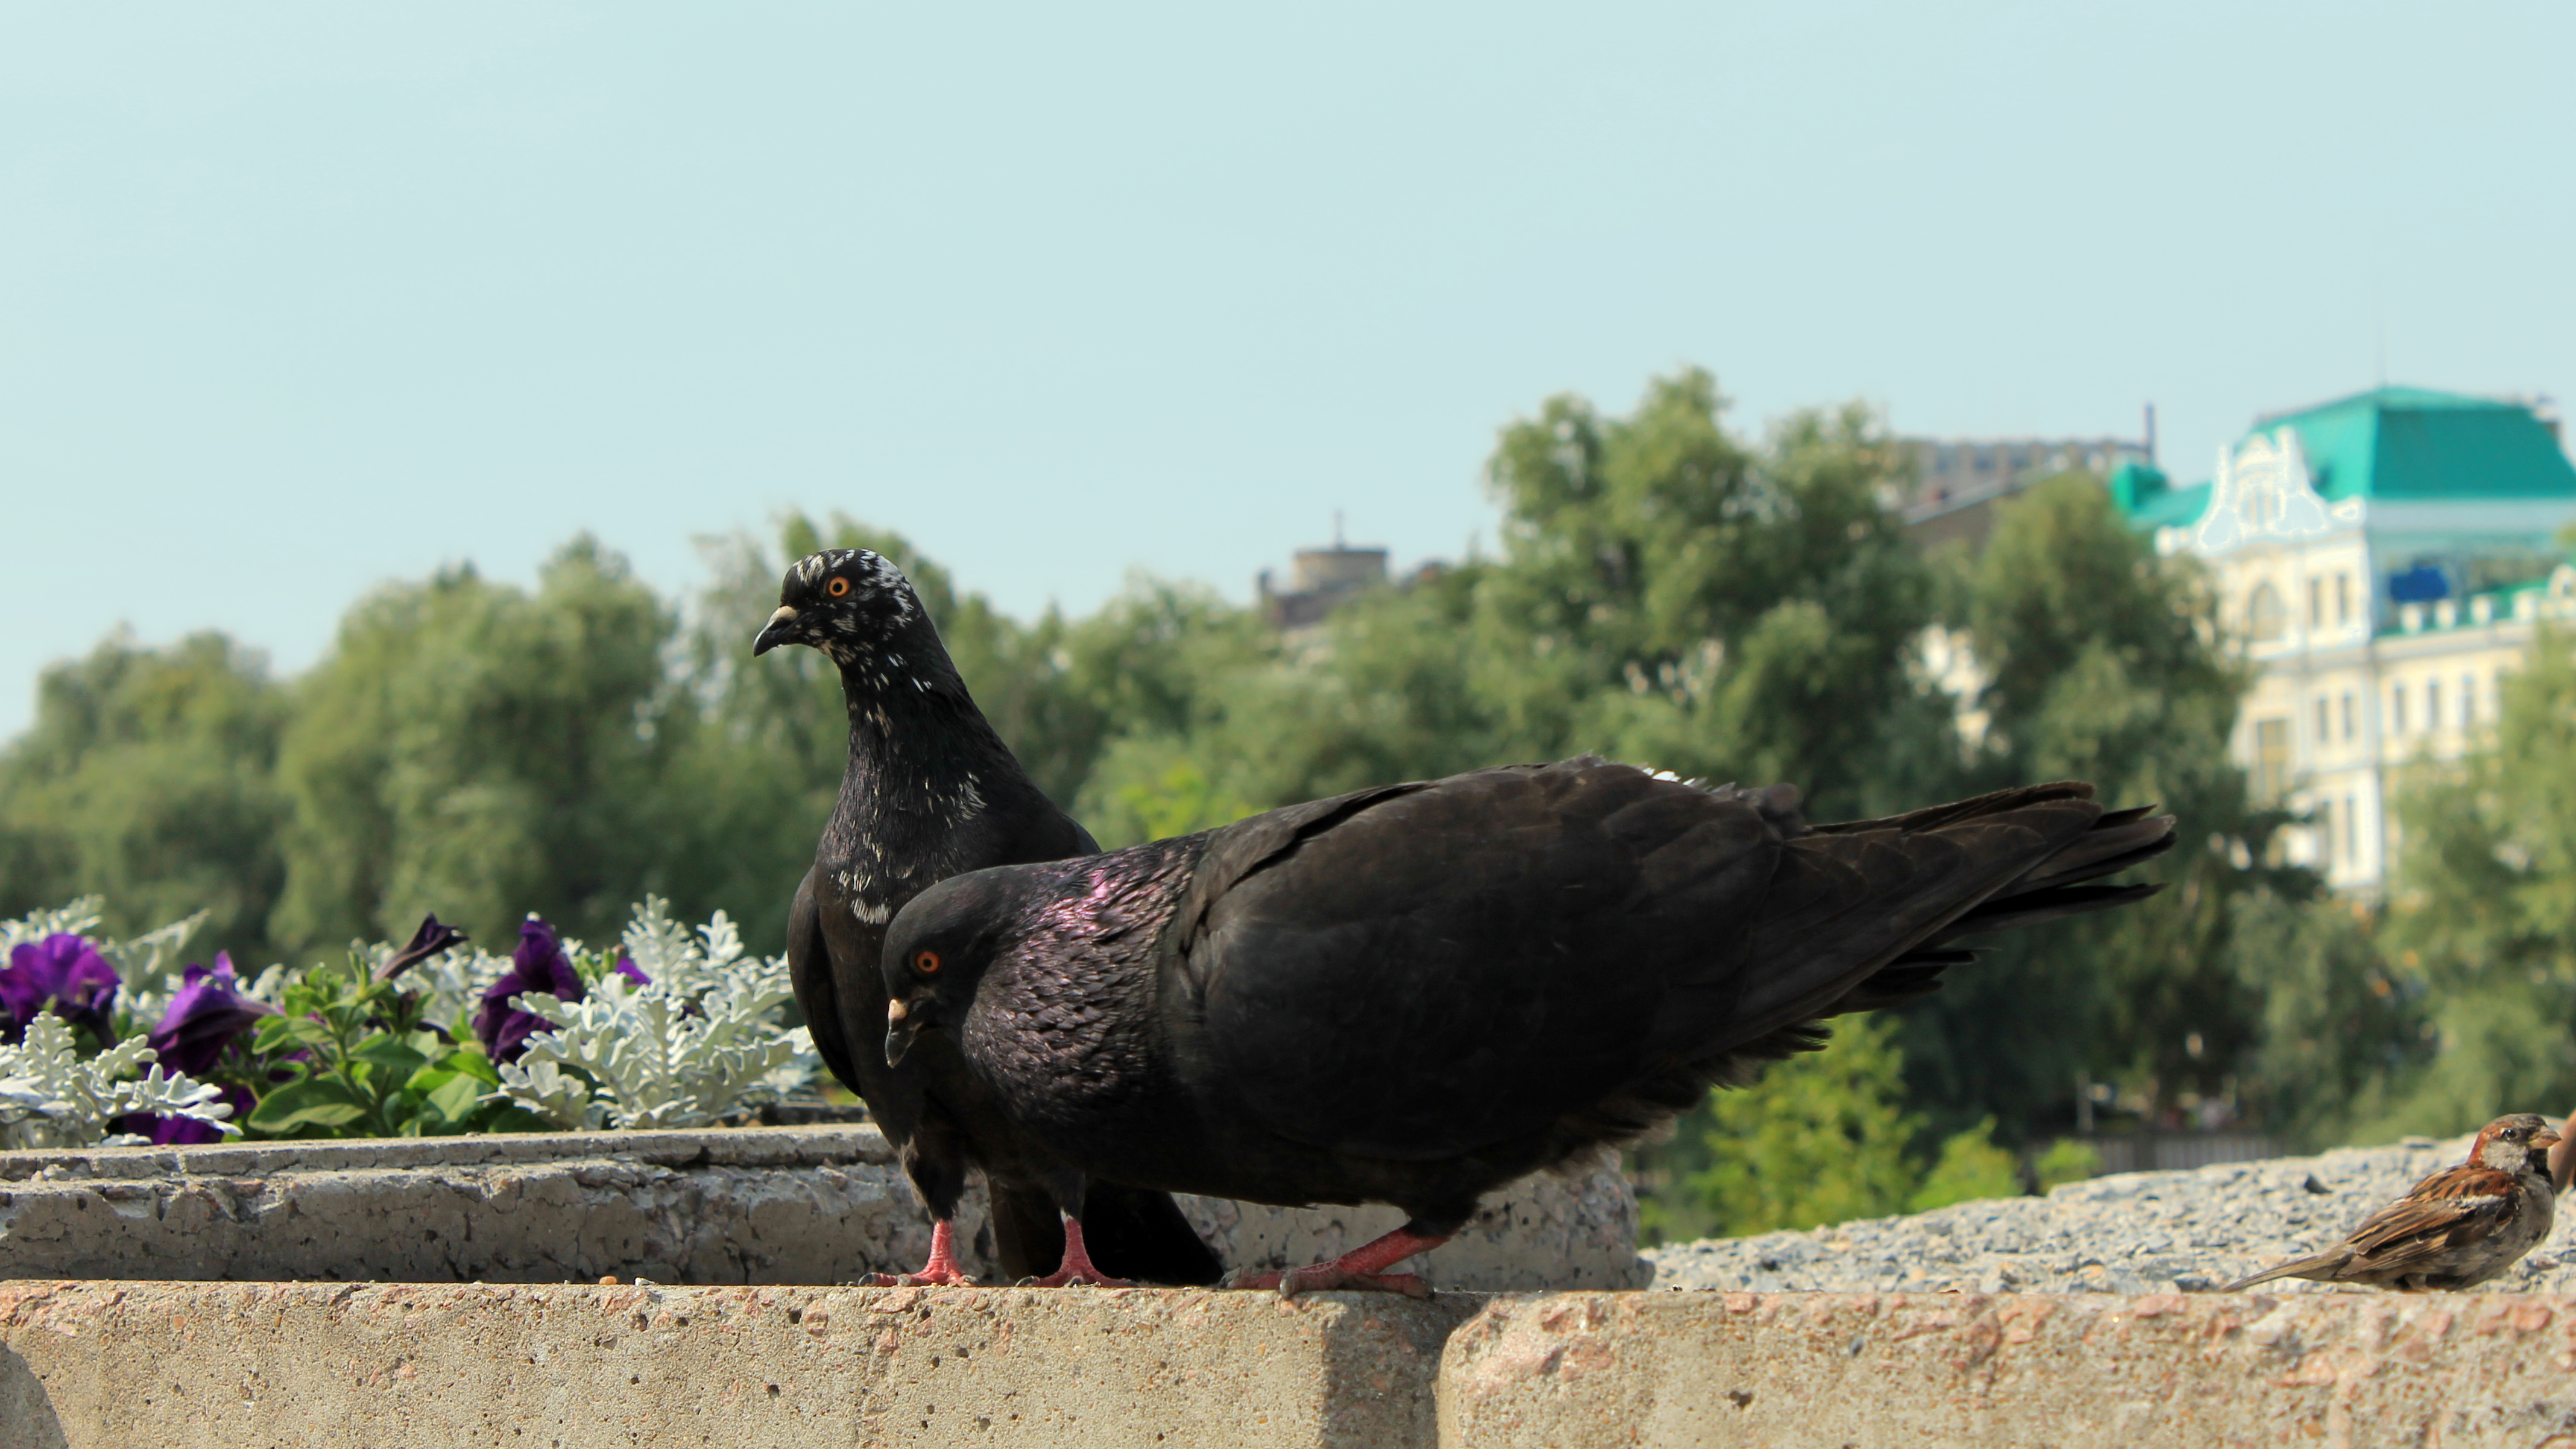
(1418, 993)
(931, 791)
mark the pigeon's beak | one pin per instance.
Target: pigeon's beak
(901, 1025)
(781, 629)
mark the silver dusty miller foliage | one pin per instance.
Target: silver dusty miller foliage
(702, 1042)
(51, 1097)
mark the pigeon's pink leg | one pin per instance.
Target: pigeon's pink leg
(1362, 1267)
(940, 1272)
(1076, 1267)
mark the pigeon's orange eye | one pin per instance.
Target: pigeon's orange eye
(837, 587)
(926, 962)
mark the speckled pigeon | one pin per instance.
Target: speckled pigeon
(930, 791)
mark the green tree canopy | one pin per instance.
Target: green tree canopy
(2484, 912)
(482, 751)
(149, 776)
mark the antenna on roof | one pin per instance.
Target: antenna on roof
(1337, 530)
(2151, 435)
(2379, 338)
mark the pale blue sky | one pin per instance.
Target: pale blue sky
(294, 299)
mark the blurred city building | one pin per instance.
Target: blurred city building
(2385, 558)
(1321, 580)
(1957, 482)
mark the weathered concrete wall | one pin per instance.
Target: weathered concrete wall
(227, 1365)
(230, 1366)
(1670, 1370)
(751, 1205)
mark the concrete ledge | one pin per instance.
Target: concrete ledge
(1573, 1371)
(816, 1205)
(224, 1365)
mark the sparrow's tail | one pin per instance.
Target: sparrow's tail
(2321, 1267)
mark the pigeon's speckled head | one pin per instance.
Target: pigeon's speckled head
(852, 604)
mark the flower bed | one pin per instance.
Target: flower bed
(116, 1043)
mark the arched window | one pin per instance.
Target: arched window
(2265, 616)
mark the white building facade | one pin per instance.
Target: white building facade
(2386, 560)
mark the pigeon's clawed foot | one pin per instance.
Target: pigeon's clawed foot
(927, 1278)
(1076, 1267)
(1362, 1268)
(942, 1271)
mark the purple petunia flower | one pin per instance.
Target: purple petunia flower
(204, 1017)
(428, 941)
(538, 965)
(64, 972)
(627, 968)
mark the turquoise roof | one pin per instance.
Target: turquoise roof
(2414, 443)
(2150, 500)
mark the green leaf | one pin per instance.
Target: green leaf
(458, 1099)
(453, 1065)
(470, 1060)
(397, 1058)
(314, 1102)
(288, 1033)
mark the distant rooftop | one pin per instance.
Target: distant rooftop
(1320, 581)
(2414, 443)
(1956, 482)
(2392, 443)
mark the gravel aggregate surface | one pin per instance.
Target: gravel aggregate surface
(2135, 1232)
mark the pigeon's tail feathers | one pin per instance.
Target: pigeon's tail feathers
(1999, 802)
(2058, 887)
(2116, 842)
(2061, 885)
(1911, 978)
(2035, 907)
(2321, 1267)
(1846, 905)
(1873, 912)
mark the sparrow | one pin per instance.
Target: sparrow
(2455, 1229)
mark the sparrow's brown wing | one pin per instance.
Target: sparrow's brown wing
(2449, 1210)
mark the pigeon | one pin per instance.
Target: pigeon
(930, 791)
(1417, 993)
(2455, 1229)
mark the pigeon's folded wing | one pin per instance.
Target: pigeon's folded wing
(809, 971)
(1443, 968)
